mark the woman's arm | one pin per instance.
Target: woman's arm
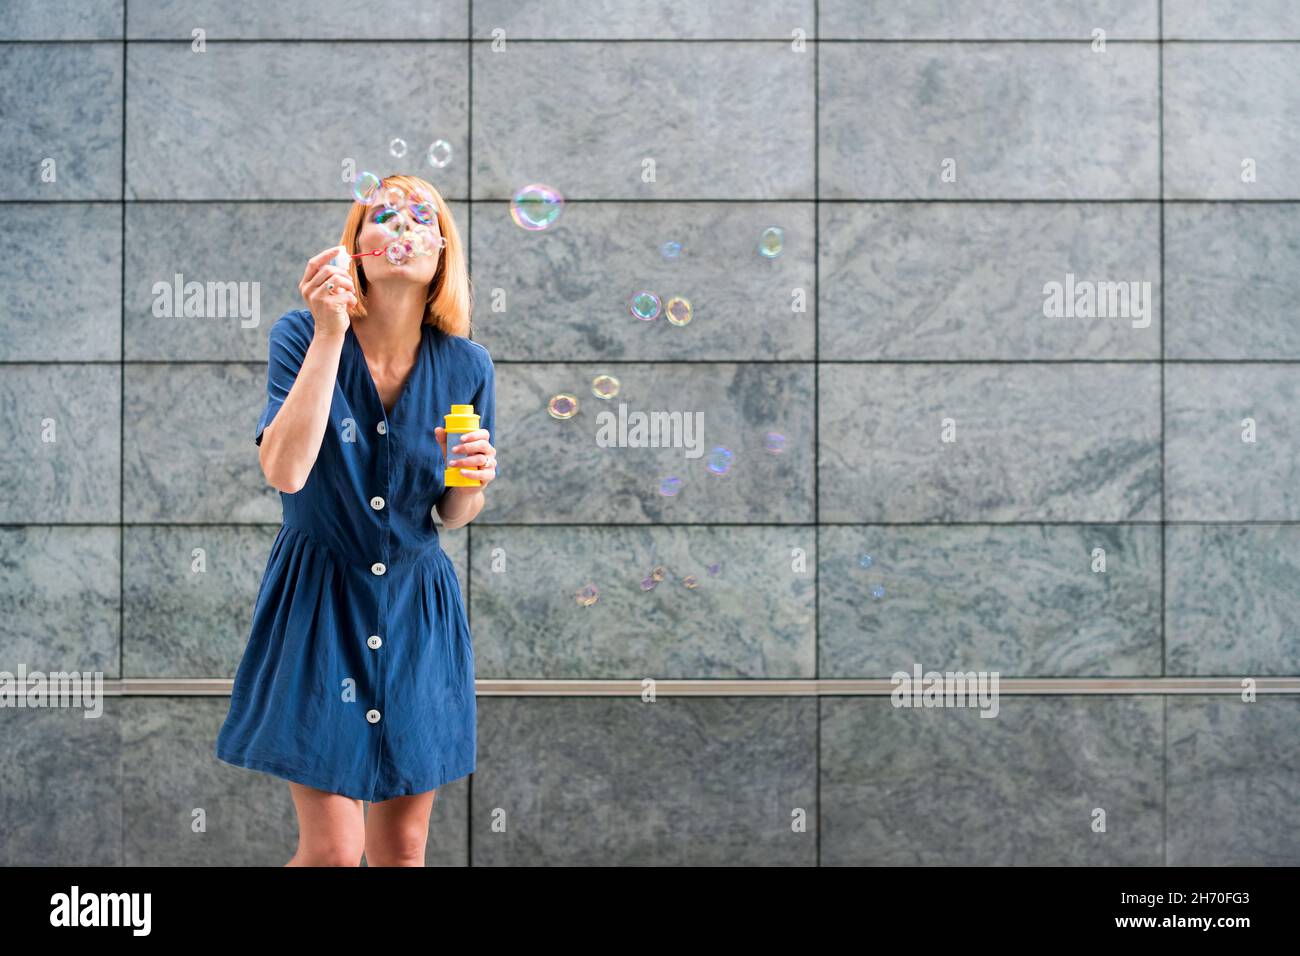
(292, 441)
(459, 506)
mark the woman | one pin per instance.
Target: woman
(357, 682)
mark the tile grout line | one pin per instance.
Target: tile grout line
(1164, 319)
(758, 41)
(469, 269)
(817, 405)
(1145, 523)
(181, 362)
(121, 445)
(1164, 518)
(689, 200)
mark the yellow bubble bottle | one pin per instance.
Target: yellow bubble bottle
(461, 420)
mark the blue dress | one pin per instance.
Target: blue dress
(358, 675)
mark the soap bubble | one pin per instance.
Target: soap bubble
(658, 572)
(397, 253)
(690, 581)
(562, 406)
(536, 207)
(772, 242)
(422, 207)
(394, 197)
(648, 583)
(719, 460)
(678, 311)
(604, 386)
(671, 250)
(866, 561)
(775, 442)
(433, 242)
(715, 568)
(391, 221)
(397, 147)
(366, 189)
(878, 591)
(439, 153)
(586, 596)
(670, 486)
(417, 242)
(645, 306)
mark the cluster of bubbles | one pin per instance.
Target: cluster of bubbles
(589, 594)
(770, 245)
(536, 207)
(646, 306)
(438, 154)
(658, 573)
(719, 462)
(418, 240)
(564, 406)
(866, 561)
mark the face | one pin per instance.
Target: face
(385, 227)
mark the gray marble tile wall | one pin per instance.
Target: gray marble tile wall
(956, 464)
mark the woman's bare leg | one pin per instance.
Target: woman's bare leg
(397, 830)
(331, 828)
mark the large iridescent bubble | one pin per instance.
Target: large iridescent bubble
(366, 189)
(536, 207)
(391, 221)
(423, 209)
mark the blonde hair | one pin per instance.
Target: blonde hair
(450, 301)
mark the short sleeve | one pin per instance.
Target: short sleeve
(485, 401)
(286, 351)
